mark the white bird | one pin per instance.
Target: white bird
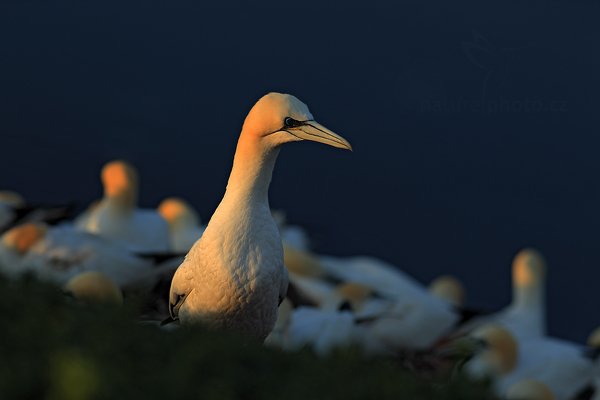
(234, 276)
(562, 366)
(278, 336)
(410, 317)
(184, 223)
(448, 288)
(117, 217)
(322, 330)
(526, 315)
(59, 253)
(95, 288)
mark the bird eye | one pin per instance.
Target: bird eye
(290, 122)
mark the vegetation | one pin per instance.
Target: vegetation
(52, 347)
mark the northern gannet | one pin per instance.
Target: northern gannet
(234, 276)
(184, 223)
(321, 330)
(59, 253)
(278, 336)
(563, 367)
(95, 288)
(526, 315)
(448, 288)
(415, 319)
(117, 217)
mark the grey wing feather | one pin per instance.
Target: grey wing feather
(175, 303)
(181, 287)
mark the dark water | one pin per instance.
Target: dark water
(475, 128)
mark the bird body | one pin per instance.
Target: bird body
(321, 330)
(410, 316)
(560, 365)
(184, 224)
(563, 367)
(140, 230)
(234, 276)
(60, 253)
(117, 217)
(234, 279)
(525, 317)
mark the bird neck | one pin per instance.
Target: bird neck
(122, 202)
(530, 296)
(252, 170)
(183, 223)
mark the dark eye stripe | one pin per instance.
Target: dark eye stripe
(289, 122)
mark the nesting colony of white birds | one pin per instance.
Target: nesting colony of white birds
(249, 272)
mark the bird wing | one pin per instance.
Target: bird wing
(181, 287)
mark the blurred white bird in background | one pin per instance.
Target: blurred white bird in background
(564, 367)
(117, 217)
(291, 235)
(321, 330)
(234, 277)
(95, 288)
(59, 253)
(450, 289)
(184, 223)
(413, 318)
(526, 315)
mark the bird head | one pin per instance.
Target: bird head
(529, 268)
(448, 288)
(120, 180)
(496, 351)
(21, 238)
(178, 212)
(281, 118)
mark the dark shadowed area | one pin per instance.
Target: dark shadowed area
(475, 127)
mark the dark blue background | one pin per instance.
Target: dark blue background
(475, 126)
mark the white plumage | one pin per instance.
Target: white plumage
(526, 316)
(321, 330)
(60, 253)
(410, 317)
(117, 217)
(560, 365)
(234, 277)
(184, 223)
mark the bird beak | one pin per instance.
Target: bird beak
(312, 130)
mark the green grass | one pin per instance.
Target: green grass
(54, 348)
